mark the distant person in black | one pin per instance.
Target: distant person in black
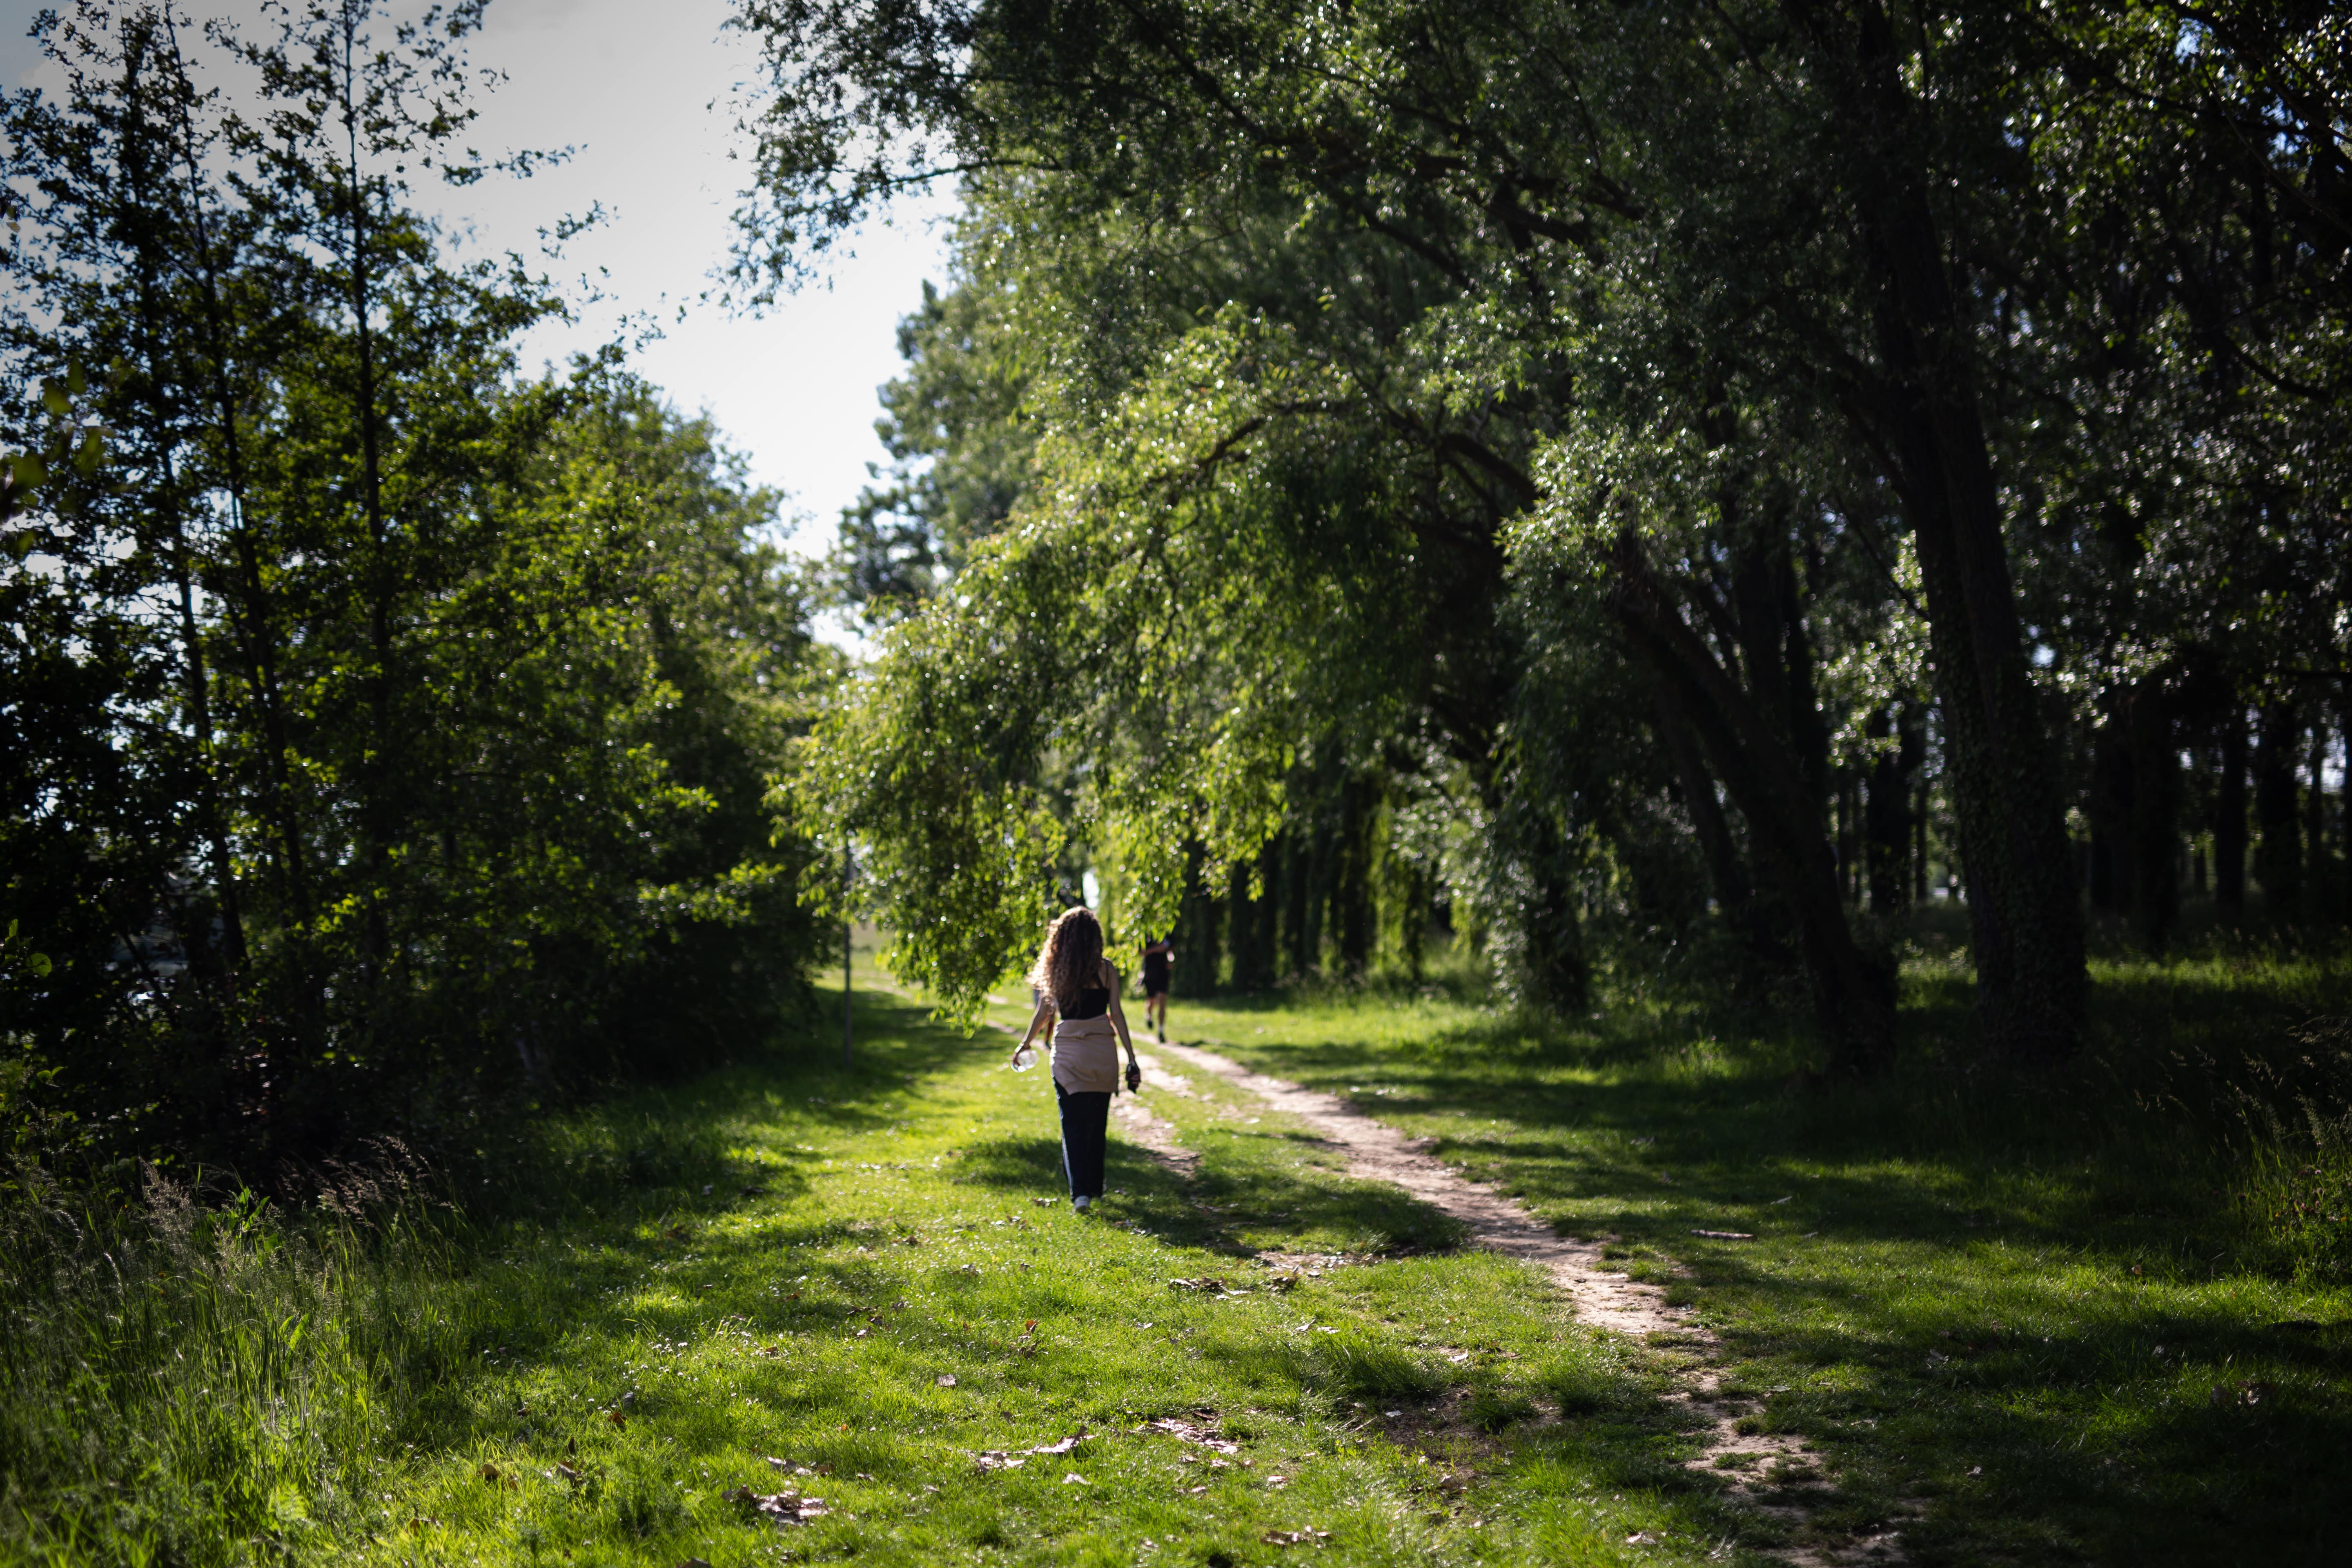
(1159, 959)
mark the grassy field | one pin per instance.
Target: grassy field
(2038, 1323)
(2052, 1317)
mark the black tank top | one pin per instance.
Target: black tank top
(1092, 1002)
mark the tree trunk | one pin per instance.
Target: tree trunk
(1919, 842)
(2319, 888)
(2343, 816)
(2110, 812)
(2023, 913)
(1853, 996)
(376, 814)
(1735, 895)
(1351, 898)
(2278, 852)
(251, 615)
(2155, 818)
(147, 160)
(2229, 814)
(1886, 812)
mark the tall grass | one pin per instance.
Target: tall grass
(185, 1382)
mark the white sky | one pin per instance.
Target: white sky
(632, 86)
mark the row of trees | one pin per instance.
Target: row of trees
(383, 732)
(1668, 435)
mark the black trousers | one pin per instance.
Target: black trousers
(1085, 1121)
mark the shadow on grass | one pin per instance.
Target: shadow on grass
(2033, 1304)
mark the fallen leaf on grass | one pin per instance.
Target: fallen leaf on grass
(1075, 1480)
(1044, 1202)
(998, 1459)
(782, 1510)
(861, 1333)
(1641, 1538)
(616, 1419)
(945, 1379)
(1307, 1537)
(1190, 1432)
(2244, 1393)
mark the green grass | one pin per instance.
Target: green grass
(2045, 1315)
(1958, 1304)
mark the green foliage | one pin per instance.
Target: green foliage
(1829, 381)
(388, 734)
(960, 447)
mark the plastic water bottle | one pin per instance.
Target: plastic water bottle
(1024, 1058)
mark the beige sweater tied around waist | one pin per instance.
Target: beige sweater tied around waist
(1086, 1056)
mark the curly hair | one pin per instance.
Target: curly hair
(1071, 961)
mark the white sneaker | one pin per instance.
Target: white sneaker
(1082, 1204)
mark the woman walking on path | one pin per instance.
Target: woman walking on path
(1075, 980)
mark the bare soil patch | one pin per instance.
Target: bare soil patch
(1602, 1296)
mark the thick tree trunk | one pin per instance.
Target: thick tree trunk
(2110, 814)
(1351, 898)
(2229, 814)
(2023, 913)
